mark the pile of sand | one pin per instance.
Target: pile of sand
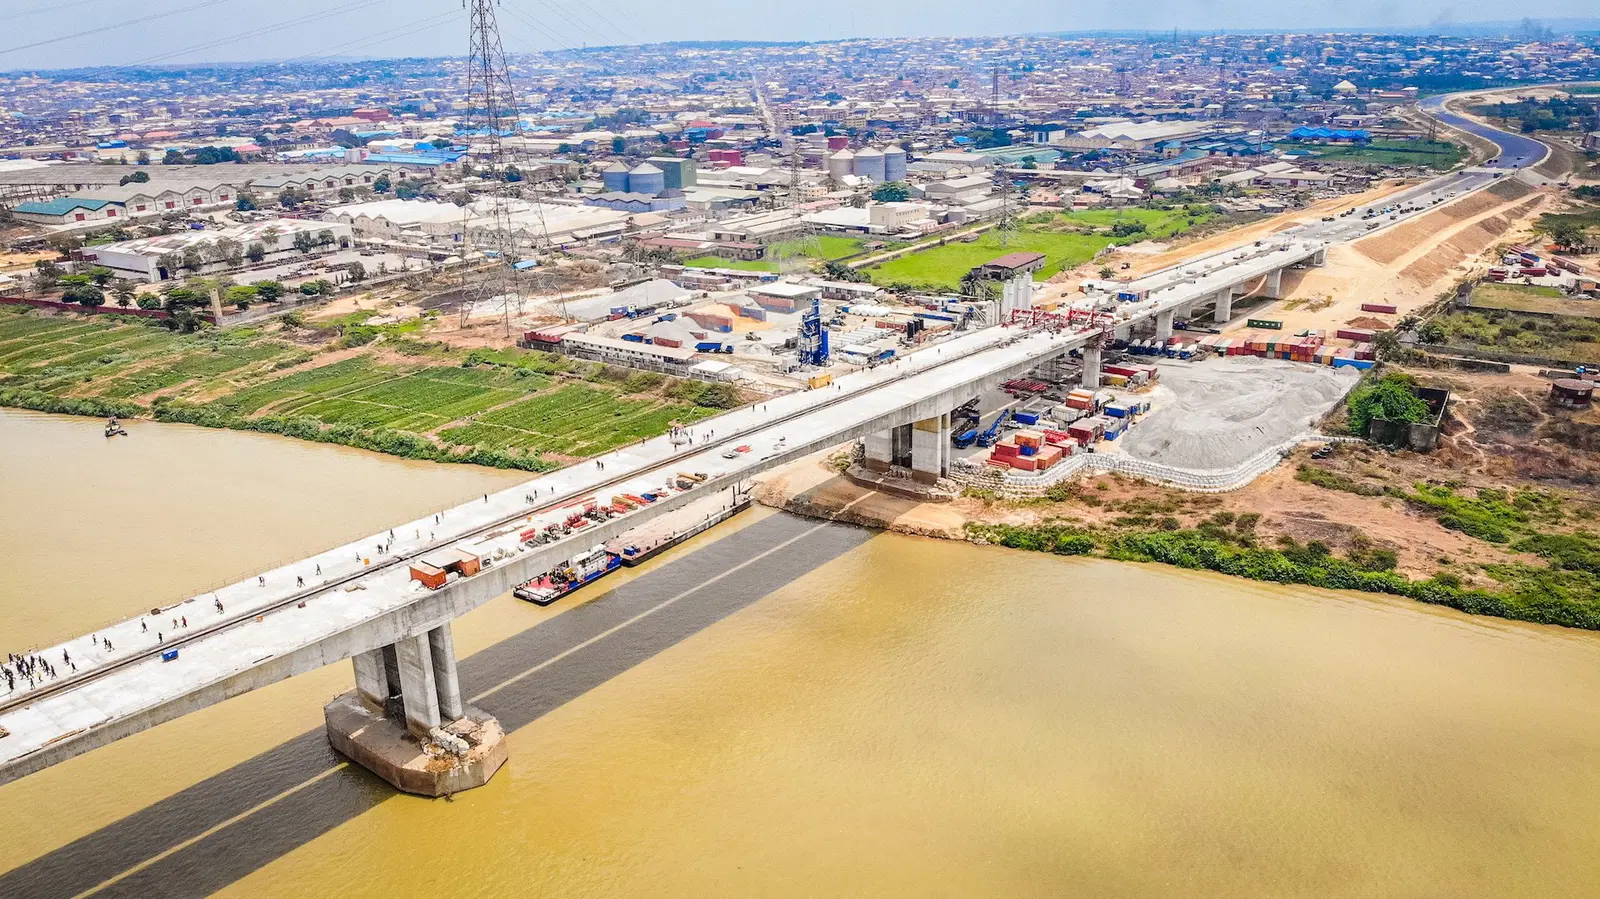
(1219, 413)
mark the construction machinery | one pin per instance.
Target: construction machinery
(992, 434)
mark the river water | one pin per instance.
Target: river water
(910, 717)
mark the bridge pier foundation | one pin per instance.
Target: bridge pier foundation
(406, 722)
(878, 451)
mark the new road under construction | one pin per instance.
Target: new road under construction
(387, 601)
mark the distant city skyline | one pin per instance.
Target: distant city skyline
(97, 32)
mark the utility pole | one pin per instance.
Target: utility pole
(994, 97)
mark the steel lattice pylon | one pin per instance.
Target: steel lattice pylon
(492, 110)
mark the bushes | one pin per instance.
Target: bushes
(1390, 397)
(1547, 596)
(93, 407)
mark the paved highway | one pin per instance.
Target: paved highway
(1516, 151)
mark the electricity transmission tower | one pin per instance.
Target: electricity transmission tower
(492, 110)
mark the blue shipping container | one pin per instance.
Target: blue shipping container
(634, 338)
(1117, 411)
(1027, 418)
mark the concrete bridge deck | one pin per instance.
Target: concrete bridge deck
(359, 597)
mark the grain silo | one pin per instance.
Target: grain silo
(646, 179)
(894, 163)
(841, 164)
(615, 177)
(869, 164)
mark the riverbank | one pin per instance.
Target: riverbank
(1484, 542)
(373, 379)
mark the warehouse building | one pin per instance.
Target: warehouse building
(184, 253)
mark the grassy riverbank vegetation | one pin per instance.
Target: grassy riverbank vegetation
(349, 381)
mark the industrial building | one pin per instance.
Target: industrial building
(170, 256)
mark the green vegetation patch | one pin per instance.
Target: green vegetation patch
(576, 420)
(941, 268)
(1564, 338)
(822, 248)
(1532, 298)
(1434, 154)
(1390, 397)
(1558, 595)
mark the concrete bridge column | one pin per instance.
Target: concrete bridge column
(929, 440)
(418, 690)
(1275, 284)
(1123, 332)
(1224, 306)
(1091, 365)
(1164, 325)
(1320, 258)
(447, 683)
(372, 677)
(879, 450)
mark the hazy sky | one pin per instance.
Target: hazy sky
(228, 30)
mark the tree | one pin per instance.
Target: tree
(892, 192)
(838, 271)
(46, 274)
(304, 242)
(1106, 272)
(325, 238)
(228, 250)
(358, 272)
(618, 146)
(245, 203)
(125, 291)
(85, 295)
(289, 198)
(441, 143)
(255, 253)
(100, 275)
(240, 297)
(143, 158)
(193, 259)
(269, 291)
(382, 184)
(135, 178)
(347, 195)
(1569, 235)
(173, 157)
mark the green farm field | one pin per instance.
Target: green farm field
(1434, 154)
(510, 408)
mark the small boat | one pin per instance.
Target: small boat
(114, 428)
(563, 579)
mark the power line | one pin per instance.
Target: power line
(48, 7)
(254, 32)
(104, 28)
(381, 37)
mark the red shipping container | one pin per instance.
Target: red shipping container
(1378, 307)
(1025, 463)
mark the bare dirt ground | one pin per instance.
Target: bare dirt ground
(1408, 266)
(1500, 434)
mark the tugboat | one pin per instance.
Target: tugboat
(563, 579)
(114, 428)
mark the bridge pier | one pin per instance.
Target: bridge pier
(930, 449)
(1224, 310)
(1164, 325)
(1320, 258)
(1091, 366)
(405, 720)
(1274, 289)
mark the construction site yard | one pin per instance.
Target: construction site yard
(1217, 414)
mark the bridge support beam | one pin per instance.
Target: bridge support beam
(1164, 325)
(1224, 306)
(1275, 284)
(406, 717)
(1091, 366)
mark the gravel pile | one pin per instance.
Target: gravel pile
(1216, 414)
